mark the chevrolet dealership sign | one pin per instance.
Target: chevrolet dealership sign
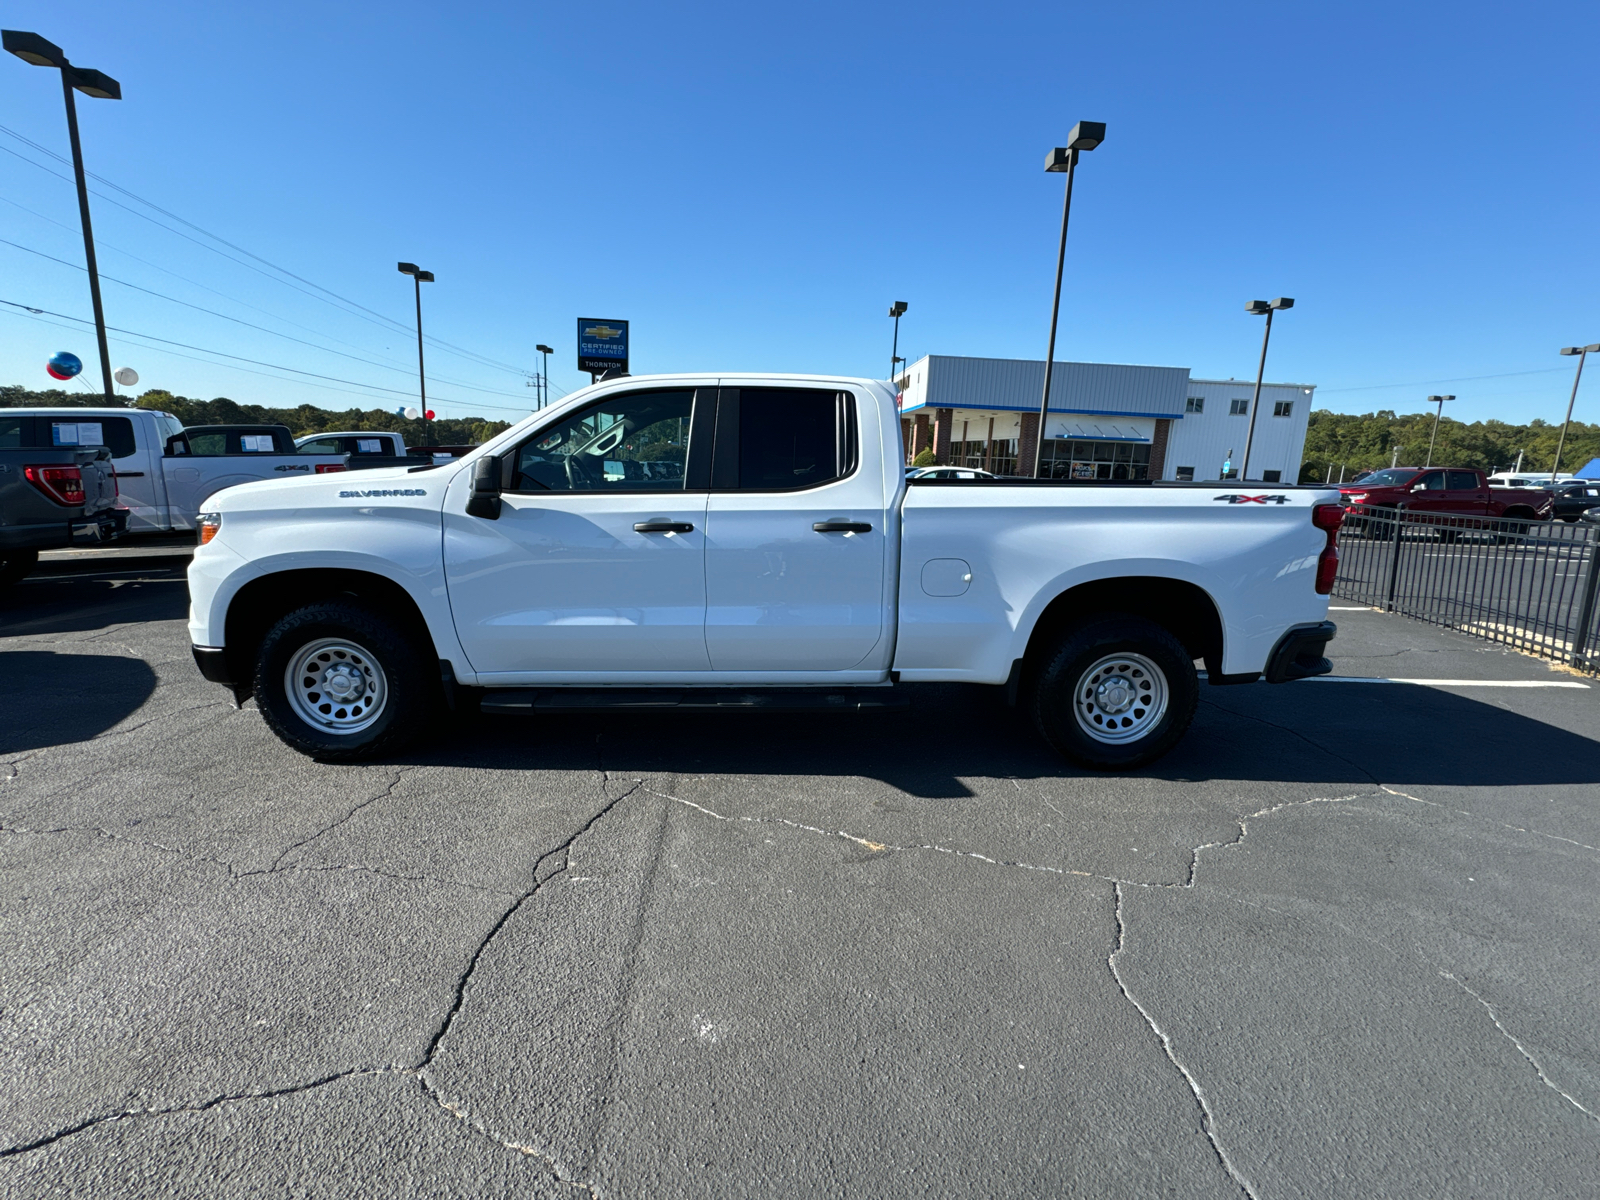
(602, 345)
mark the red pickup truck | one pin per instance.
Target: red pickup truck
(1446, 491)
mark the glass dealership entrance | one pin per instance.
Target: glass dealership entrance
(1064, 458)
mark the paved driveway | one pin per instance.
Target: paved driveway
(1342, 943)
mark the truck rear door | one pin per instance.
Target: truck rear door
(796, 534)
(1466, 492)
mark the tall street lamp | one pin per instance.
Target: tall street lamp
(1439, 400)
(419, 277)
(1256, 308)
(896, 310)
(544, 374)
(1085, 135)
(1582, 352)
(31, 48)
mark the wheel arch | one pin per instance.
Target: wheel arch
(261, 603)
(1184, 609)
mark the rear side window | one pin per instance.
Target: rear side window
(1462, 481)
(208, 444)
(783, 439)
(11, 432)
(322, 446)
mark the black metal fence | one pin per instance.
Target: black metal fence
(1529, 584)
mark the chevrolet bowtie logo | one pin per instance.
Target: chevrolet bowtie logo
(602, 331)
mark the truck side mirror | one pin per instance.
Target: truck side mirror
(484, 501)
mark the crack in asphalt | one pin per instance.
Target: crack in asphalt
(1208, 1120)
(329, 828)
(198, 1106)
(1461, 812)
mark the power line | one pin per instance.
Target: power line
(371, 316)
(248, 324)
(240, 358)
(1378, 387)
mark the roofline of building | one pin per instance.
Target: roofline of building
(1033, 408)
(1250, 383)
(1060, 362)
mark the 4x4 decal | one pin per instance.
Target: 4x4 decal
(1236, 498)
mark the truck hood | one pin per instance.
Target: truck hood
(382, 486)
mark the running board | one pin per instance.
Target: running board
(526, 701)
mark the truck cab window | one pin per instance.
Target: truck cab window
(1432, 481)
(632, 442)
(1462, 481)
(787, 438)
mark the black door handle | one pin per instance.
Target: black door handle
(663, 527)
(842, 527)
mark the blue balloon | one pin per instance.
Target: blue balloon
(63, 364)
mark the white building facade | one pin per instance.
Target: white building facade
(1105, 421)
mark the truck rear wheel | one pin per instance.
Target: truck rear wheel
(1115, 693)
(340, 683)
(14, 564)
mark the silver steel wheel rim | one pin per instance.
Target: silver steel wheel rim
(1120, 698)
(336, 686)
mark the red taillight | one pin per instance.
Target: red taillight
(328, 468)
(1328, 517)
(64, 485)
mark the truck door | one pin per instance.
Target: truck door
(1463, 493)
(796, 534)
(1427, 493)
(597, 560)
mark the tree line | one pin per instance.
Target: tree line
(1357, 443)
(303, 420)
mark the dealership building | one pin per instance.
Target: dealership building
(1105, 420)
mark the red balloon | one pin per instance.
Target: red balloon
(429, 414)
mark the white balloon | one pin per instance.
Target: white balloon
(412, 414)
(126, 376)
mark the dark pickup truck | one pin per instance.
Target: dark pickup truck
(51, 494)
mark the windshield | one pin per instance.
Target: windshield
(1388, 477)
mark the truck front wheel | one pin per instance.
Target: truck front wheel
(1115, 693)
(340, 683)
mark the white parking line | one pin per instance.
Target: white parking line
(1506, 683)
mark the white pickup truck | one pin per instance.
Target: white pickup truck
(739, 542)
(161, 489)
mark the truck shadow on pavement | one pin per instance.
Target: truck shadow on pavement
(1355, 733)
(46, 604)
(55, 699)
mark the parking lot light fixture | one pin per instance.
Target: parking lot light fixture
(418, 278)
(1439, 400)
(1259, 308)
(36, 51)
(1085, 135)
(1582, 353)
(896, 310)
(544, 374)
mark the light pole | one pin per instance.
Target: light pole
(1582, 352)
(31, 48)
(1440, 401)
(544, 374)
(896, 310)
(419, 277)
(1257, 307)
(1085, 135)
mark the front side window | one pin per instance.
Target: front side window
(1433, 481)
(1238, 408)
(632, 442)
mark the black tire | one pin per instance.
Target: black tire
(14, 564)
(376, 663)
(1062, 687)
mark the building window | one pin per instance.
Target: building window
(998, 457)
(1238, 408)
(1066, 458)
(1272, 477)
(1283, 408)
(1195, 404)
(1185, 474)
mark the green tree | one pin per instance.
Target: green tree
(1362, 442)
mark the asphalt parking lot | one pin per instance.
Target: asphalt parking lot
(1343, 942)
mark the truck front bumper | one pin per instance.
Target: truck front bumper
(1299, 653)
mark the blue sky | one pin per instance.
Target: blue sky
(751, 185)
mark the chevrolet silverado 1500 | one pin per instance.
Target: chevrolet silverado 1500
(737, 542)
